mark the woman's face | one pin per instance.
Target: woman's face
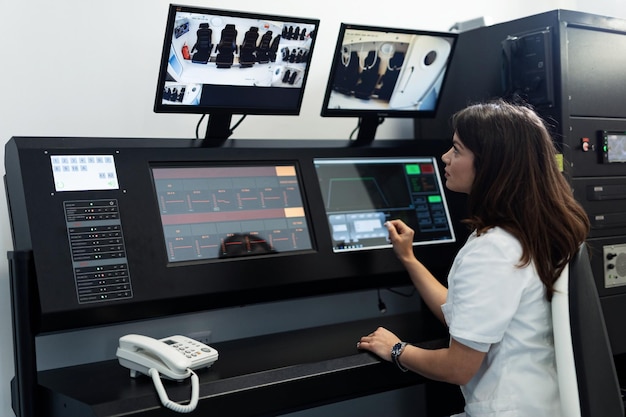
(459, 169)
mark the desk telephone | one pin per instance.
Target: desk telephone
(174, 357)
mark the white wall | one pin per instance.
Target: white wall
(88, 68)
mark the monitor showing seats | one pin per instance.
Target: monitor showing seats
(380, 72)
(225, 62)
(387, 71)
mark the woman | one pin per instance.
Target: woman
(526, 227)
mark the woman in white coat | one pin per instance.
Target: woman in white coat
(526, 226)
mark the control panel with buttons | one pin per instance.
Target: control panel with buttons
(614, 257)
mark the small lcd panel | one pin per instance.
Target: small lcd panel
(614, 146)
(360, 195)
(84, 172)
(213, 212)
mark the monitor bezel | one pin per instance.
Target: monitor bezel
(377, 113)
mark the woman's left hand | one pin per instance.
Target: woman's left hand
(379, 342)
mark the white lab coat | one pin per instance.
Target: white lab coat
(496, 307)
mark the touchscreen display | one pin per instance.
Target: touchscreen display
(360, 195)
(210, 212)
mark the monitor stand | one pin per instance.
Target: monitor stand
(367, 130)
(217, 130)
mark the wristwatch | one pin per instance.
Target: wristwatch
(396, 351)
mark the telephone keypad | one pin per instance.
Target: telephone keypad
(192, 349)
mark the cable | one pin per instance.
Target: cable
(381, 304)
(354, 131)
(381, 119)
(382, 307)
(179, 408)
(407, 295)
(230, 130)
(198, 126)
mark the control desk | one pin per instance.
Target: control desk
(129, 229)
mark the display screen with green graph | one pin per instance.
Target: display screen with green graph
(361, 194)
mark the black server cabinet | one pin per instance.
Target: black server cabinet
(570, 66)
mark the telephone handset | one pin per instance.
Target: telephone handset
(174, 357)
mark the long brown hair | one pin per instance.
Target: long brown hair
(518, 185)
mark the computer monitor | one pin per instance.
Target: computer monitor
(230, 210)
(361, 194)
(222, 62)
(380, 72)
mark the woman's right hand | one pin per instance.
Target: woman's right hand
(401, 237)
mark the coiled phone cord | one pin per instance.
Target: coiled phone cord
(195, 392)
